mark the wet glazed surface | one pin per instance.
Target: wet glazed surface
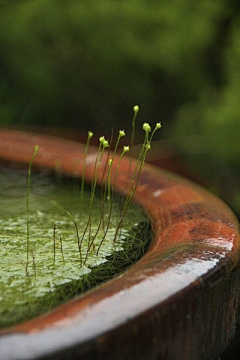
(182, 297)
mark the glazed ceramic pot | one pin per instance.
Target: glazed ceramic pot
(179, 301)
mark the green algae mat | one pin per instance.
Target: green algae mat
(67, 255)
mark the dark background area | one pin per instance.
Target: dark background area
(77, 65)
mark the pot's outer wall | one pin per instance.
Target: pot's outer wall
(180, 301)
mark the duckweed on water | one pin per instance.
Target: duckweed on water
(55, 272)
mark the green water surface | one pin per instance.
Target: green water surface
(57, 269)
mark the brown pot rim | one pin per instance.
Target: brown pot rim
(180, 299)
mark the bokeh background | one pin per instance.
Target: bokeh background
(82, 65)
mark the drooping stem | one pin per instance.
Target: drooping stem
(61, 208)
(77, 234)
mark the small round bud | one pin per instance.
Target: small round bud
(158, 126)
(36, 148)
(90, 134)
(105, 144)
(101, 139)
(121, 133)
(146, 127)
(148, 147)
(126, 149)
(136, 108)
(110, 161)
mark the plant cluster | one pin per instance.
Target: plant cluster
(88, 246)
(86, 236)
(177, 59)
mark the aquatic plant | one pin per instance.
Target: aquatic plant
(27, 204)
(85, 234)
(82, 241)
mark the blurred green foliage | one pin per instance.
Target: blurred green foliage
(77, 62)
(208, 129)
(84, 64)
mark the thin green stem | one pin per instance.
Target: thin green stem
(61, 208)
(90, 135)
(111, 191)
(135, 110)
(36, 148)
(61, 247)
(137, 171)
(120, 135)
(106, 190)
(103, 183)
(77, 234)
(54, 243)
(102, 146)
(135, 113)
